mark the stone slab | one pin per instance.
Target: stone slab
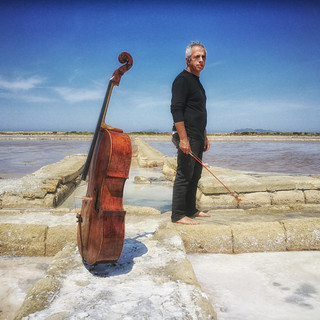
(287, 197)
(46, 187)
(26, 240)
(205, 238)
(58, 237)
(255, 199)
(312, 196)
(148, 156)
(258, 237)
(302, 234)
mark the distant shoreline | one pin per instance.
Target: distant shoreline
(235, 136)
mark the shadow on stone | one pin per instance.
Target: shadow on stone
(131, 249)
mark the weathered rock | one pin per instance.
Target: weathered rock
(148, 156)
(286, 197)
(312, 196)
(134, 210)
(27, 240)
(169, 168)
(219, 201)
(39, 297)
(58, 237)
(255, 199)
(141, 180)
(9, 200)
(66, 259)
(258, 237)
(302, 234)
(205, 238)
(239, 182)
(277, 182)
(307, 182)
(46, 187)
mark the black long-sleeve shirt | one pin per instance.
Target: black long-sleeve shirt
(188, 104)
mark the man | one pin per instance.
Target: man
(188, 108)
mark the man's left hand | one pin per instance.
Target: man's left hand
(206, 145)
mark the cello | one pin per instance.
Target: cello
(101, 222)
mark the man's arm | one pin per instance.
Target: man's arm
(184, 142)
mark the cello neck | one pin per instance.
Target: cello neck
(105, 105)
(126, 58)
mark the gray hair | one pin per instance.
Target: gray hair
(193, 44)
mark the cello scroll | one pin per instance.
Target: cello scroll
(126, 58)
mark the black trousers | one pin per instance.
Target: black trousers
(186, 181)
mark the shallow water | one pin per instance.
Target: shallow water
(21, 157)
(287, 157)
(135, 194)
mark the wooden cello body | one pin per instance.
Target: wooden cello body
(101, 222)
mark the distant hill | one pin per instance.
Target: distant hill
(253, 130)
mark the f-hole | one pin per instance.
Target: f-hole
(96, 208)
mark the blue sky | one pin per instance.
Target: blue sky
(56, 58)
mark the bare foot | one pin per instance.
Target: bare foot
(201, 214)
(187, 220)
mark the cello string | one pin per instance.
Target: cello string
(200, 161)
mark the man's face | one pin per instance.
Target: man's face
(197, 60)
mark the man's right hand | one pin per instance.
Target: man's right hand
(184, 142)
(185, 146)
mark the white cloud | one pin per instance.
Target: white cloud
(20, 84)
(79, 94)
